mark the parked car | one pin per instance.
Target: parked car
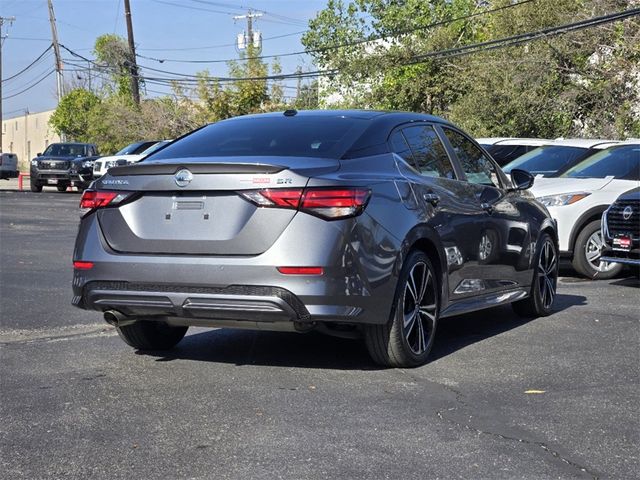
(54, 166)
(621, 230)
(577, 199)
(558, 156)
(105, 163)
(346, 222)
(8, 165)
(504, 150)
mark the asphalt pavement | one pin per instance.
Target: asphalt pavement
(503, 397)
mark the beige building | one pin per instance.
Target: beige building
(27, 135)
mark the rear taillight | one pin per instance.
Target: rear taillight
(300, 270)
(80, 265)
(94, 199)
(327, 203)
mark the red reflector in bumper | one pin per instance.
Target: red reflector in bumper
(82, 265)
(300, 270)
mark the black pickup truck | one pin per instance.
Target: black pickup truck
(62, 165)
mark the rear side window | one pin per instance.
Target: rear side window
(399, 145)
(430, 156)
(476, 165)
(298, 136)
(503, 154)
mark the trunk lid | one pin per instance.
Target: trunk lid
(195, 207)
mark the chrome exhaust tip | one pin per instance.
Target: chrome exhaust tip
(117, 319)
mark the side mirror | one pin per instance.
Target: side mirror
(38, 154)
(521, 179)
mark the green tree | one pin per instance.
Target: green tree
(73, 116)
(114, 58)
(581, 83)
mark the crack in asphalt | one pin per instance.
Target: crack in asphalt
(502, 436)
(459, 398)
(22, 337)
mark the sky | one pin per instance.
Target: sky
(163, 29)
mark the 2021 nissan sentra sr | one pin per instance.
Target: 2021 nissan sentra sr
(349, 222)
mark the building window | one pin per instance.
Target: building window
(36, 123)
(11, 147)
(16, 125)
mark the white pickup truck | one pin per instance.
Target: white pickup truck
(8, 165)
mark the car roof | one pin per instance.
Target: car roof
(354, 113)
(535, 142)
(597, 143)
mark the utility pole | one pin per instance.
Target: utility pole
(299, 83)
(2, 37)
(56, 51)
(135, 86)
(249, 39)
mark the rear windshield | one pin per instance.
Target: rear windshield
(618, 162)
(155, 146)
(549, 159)
(135, 148)
(299, 136)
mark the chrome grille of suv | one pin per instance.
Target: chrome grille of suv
(53, 165)
(616, 222)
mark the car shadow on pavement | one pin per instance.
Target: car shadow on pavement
(314, 350)
(458, 332)
(627, 282)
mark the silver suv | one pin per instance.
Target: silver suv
(354, 223)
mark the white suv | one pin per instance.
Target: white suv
(578, 197)
(103, 164)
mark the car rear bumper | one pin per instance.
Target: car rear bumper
(9, 174)
(239, 288)
(261, 303)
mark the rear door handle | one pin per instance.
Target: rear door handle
(432, 198)
(487, 207)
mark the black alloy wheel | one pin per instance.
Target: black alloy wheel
(407, 338)
(539, 303)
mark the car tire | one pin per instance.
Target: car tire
(406, 339)
(589, 239)
(151, 335)
(539, 303)
(35, 186)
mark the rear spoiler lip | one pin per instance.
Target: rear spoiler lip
(201, 168)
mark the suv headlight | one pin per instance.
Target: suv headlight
(88, 164)
(562, 199)
(34, 163)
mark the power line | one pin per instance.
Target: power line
(187, 79)
(30, 65)
(191, 7)
(220, 45)
(31, 86)
(528, 36)
(356, 42)
(18, 85)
